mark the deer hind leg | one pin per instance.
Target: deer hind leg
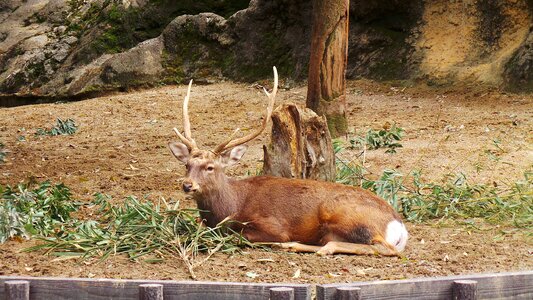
(334, 247)
(360, 241)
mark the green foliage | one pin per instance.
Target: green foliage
(43, 210)
(2, 153)
(136, 228)
(141, 229)
(383, 138)
(456, 198)
(63, 127)
(388, 186)
(349, 171)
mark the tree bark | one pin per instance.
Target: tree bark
(326, 93)
(300, 145)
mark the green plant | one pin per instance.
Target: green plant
(25, 211)
(348, 169)
(63, 127)
(388, 186)
(456, 198)
(383, 138)
(2, 153)
(144, 229)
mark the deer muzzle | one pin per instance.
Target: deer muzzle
(190, 186)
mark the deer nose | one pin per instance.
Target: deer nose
(187, 187)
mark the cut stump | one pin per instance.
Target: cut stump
(300, 145)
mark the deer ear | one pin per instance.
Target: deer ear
(180, 151)
(231, 157)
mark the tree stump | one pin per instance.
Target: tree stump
(300, 145)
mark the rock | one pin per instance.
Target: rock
(48, 68)
(35, 42)
(518, 74)
(195, 47)
(59, 30)
(62, 52)
(83, 52)
(134, 67)
(70, 39)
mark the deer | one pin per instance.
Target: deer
(299, 215)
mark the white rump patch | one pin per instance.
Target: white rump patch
(396, 235)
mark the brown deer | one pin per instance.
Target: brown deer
(299, 215)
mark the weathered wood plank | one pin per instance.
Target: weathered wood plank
(515, 285)
(17, 290)
(464, 290)
(150, 291)
(116, 289)
(348, 293)
(282, 293)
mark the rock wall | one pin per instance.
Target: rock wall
(60, 48)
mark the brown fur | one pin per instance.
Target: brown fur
(295, 210)
(289, 210)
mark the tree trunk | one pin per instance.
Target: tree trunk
(300, 145)
(326, 93)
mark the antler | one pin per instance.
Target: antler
(230, 143)
(187, 139)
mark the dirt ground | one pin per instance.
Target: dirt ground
(120, 149)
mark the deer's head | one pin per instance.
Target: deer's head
(205, 168)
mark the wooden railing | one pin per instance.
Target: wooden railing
(516, 285)
(23, 288)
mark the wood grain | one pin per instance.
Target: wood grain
(516, 285)
(117, 289)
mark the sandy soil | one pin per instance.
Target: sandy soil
(120, 149)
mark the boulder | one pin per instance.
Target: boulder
(518, 73)
(55, 49)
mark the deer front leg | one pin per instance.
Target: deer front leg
(298, 247)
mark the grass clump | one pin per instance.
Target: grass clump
(34, 209)
(63, 127)
(144, 229)
(457, 198)
(3, 153)
(388, 137)
(154, 231)
(454, 198)
(350, 170)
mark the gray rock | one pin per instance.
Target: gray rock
(59, 30)
(139, 65)
(62, 52)
(70, 40)
(45, 58)
(49, 68)
(518, 74)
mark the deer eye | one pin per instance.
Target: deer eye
(210, 168)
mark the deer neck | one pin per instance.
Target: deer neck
(219, 202)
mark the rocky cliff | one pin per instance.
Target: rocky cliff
(60, 48)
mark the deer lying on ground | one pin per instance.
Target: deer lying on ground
(299, 215)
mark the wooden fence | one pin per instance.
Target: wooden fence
(517, 285)
(23, 288)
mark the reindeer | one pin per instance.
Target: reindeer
(296, 214)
